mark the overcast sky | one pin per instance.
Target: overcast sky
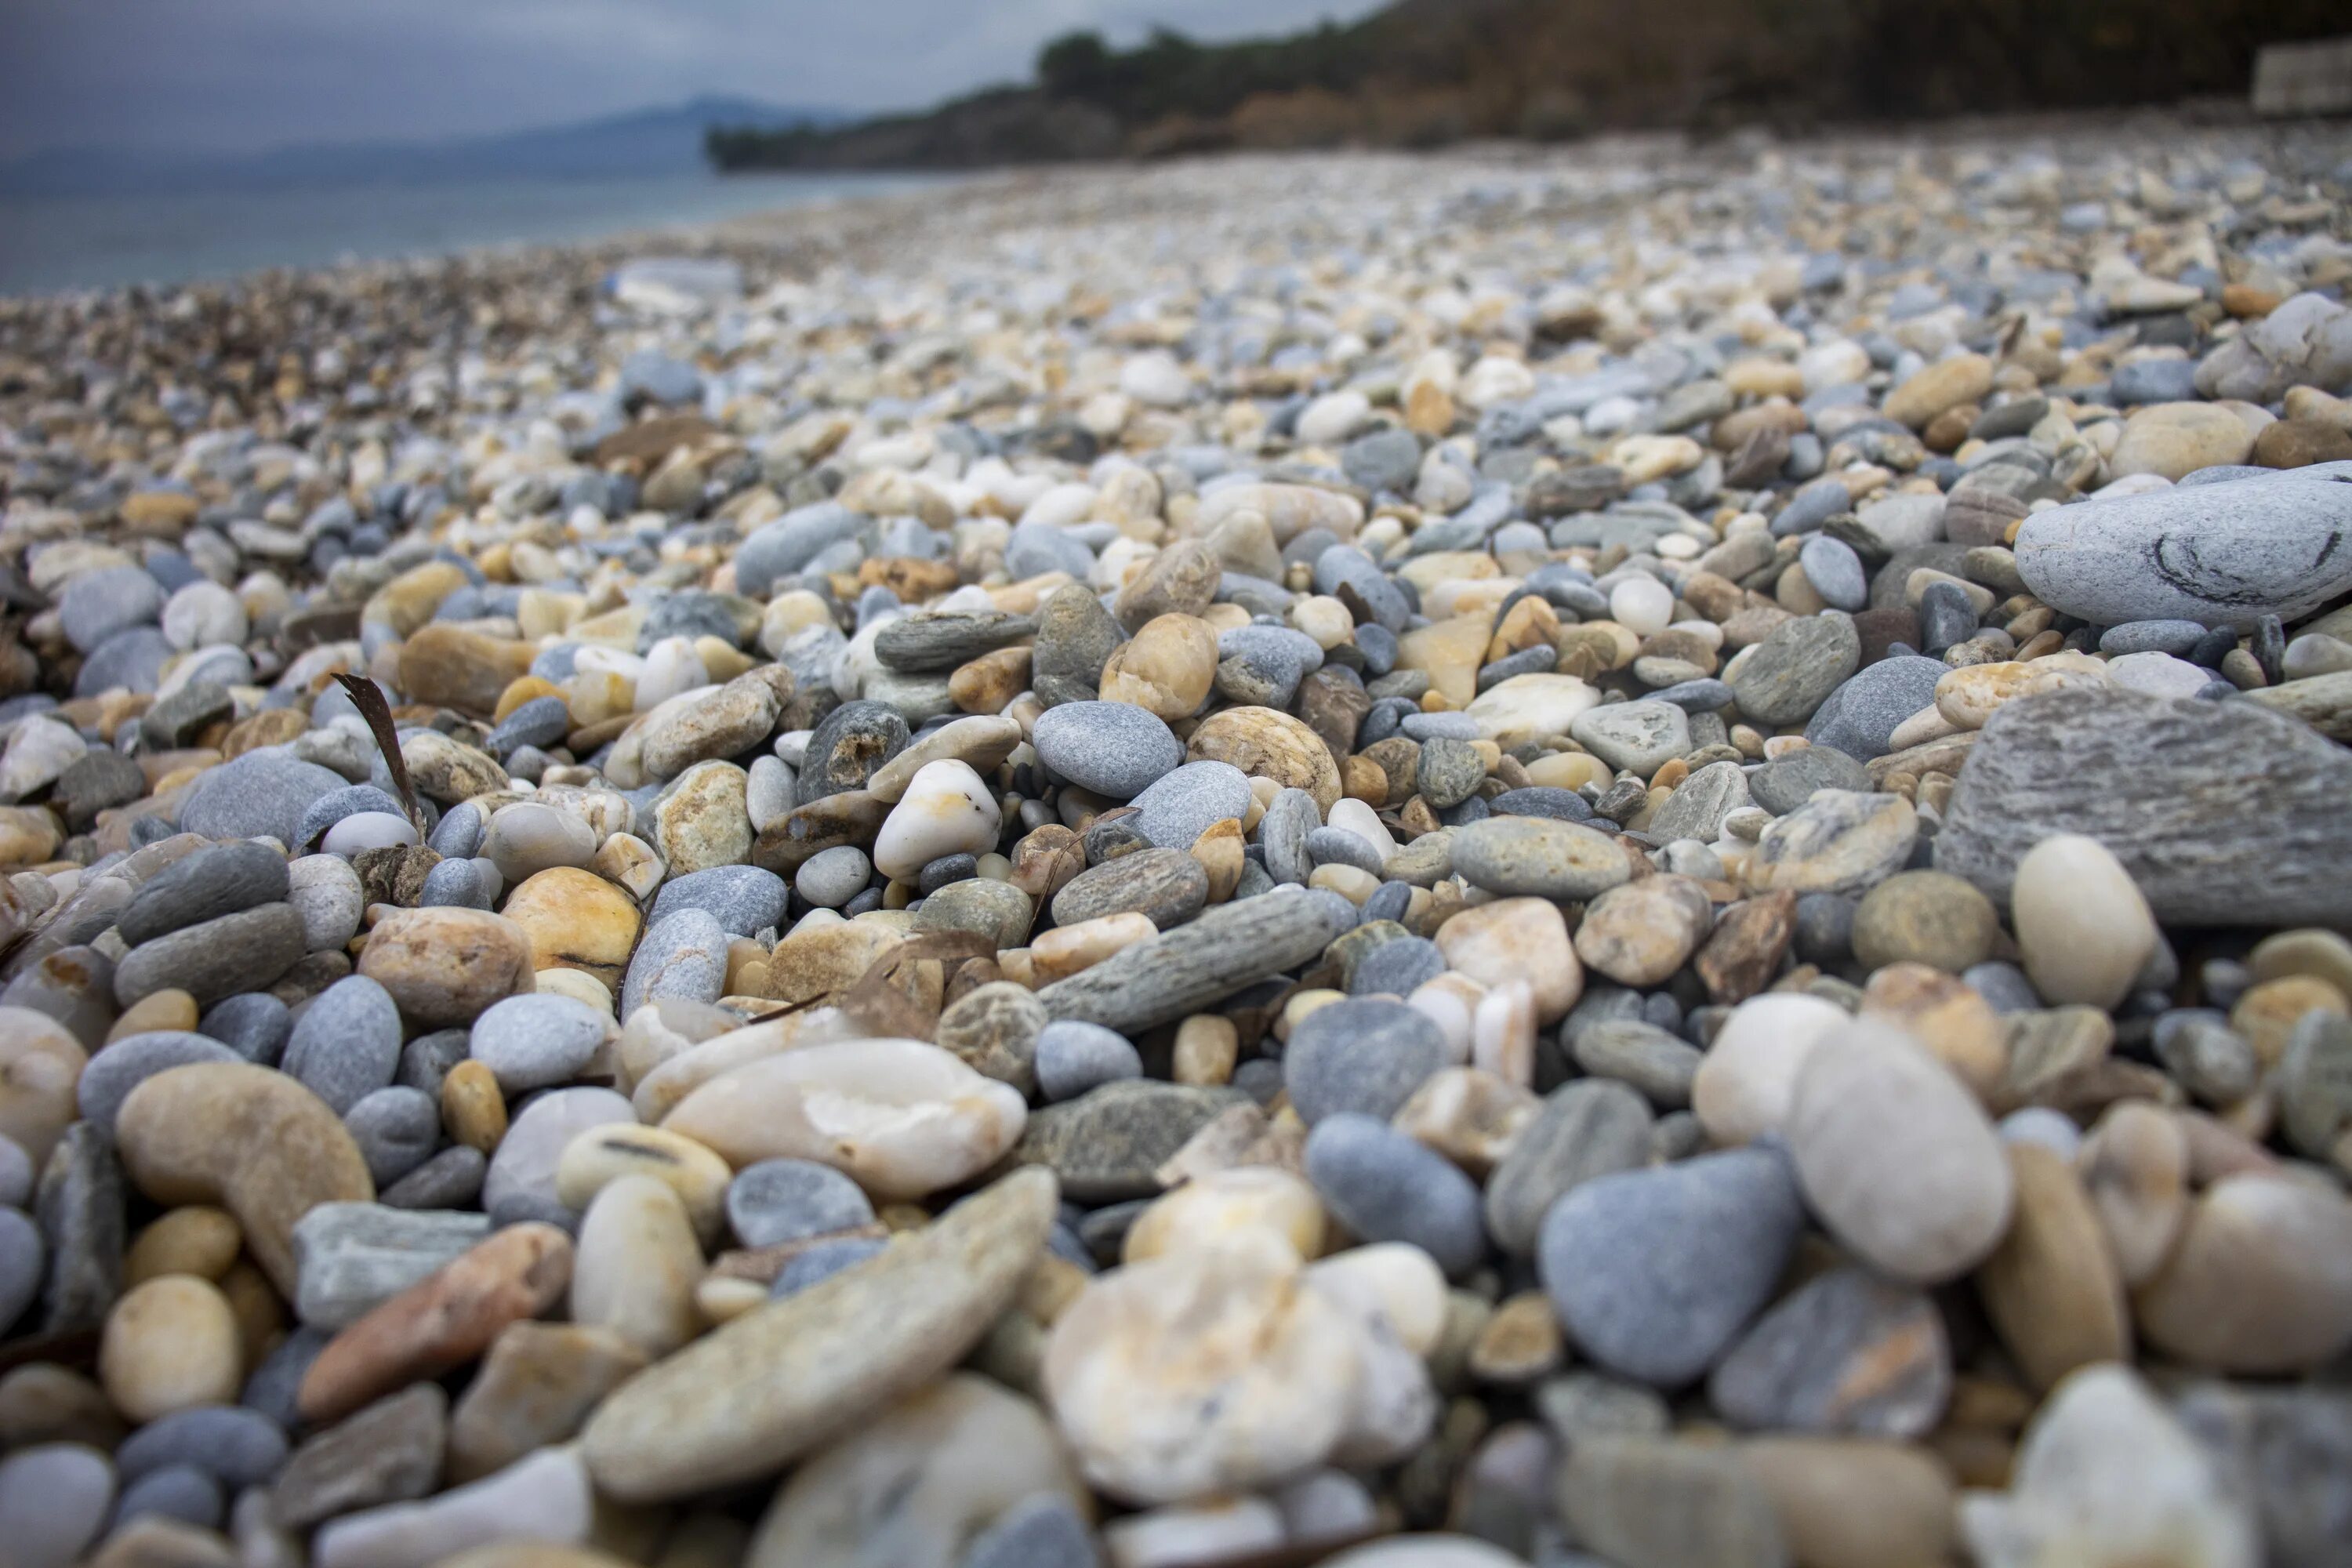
(256, 73)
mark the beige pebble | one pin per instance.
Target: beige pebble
(197, 1240)
(170, 1345)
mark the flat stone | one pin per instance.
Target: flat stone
(1844, 1352)
(1793, 671)
(1585, 1129)
(261, 794)
(1786, 782)
(1167, 884)
(1182, 971)
(351, 1257)
(1537, 857)
(2171, 789)
(389, 1452)
(2221, 554)
(1107, 1145)
(748, 1398)
(1860, 717)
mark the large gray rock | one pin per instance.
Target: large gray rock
(2225, 554)
(2224, 812)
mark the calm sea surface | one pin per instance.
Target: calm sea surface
(54, 243)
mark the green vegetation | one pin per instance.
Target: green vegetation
(1425, 72)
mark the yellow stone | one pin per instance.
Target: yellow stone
(167, 1009)
(472, 1108)
(1449, 652)
(197, 1240)
(576, 919)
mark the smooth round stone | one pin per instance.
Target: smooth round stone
(1925, 917)
(131, 1061)
(16, 1174)
(261, 794)
(741, 899)
(521, 1182)
(1184, 804)
(1115, 749)
(170, 1345)
(237, 1447)
(216, 881)
(454, 884)
(346, 1044)
(831, 878)
(948, 809)
(537, 1041)
(903, 1118)
(1643, 606)
(23, 1257)
(216, 959)
(179, 1492)
(774, 1201)
(527, 838)
(1385, 1185)
(2260, 1283)
(444, 966)
(364, 830)
(1786, 678)
(637, 1264)
(1860, 717)
(1748, 1078)
(1516, 938)
(1653, 1272)
(2177, 637)
(1539, 800)
(1075, 1057)
(682, 958)
(325, 891)
(54, 1500)
(1536, 857)
(396, 1129)
(1835, 571)
(2083, 929)
(1365, 1054)
(1897, 1157)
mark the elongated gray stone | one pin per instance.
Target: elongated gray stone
(749, 1398)
(2224, 812)
(1182, 971)
(2225, 554)
(353, 1257)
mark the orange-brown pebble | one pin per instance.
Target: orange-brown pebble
(472, 1108)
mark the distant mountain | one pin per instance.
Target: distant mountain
(1422, 73)
(662, 140)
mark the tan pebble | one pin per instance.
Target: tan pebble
(575, 919)
(45, 1403)
(255, 1141)
(604, 1154)
(2267, 1013)
(637, 1264)
(537, 1385)
(473, 1111)
(40, 1064)
(198, 1240)
(720, 1299)
(167, 1009)
(2311, 950)
(170, 1345)
(2081, 923)
(1219, 850)
(2050, 1288)
(1302, 1005)
(260, 1315)
(1066, 950)
(1351, 883)
(2261, 1281)
(1853, 1503)
(1516, 938)
(1947, 1016)
(1520, 1345)
(1207, 1047)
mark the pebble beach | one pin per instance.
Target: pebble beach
(1630, 855)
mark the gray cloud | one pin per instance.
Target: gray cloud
(252, 73)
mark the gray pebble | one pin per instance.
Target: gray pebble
(681, 957)
(1385, 1185)
(777, 1200)
(459, 835)
(1075, 1057)
(1835, 571)
(1284, 830)
(1786, 782)
(536, 1041)
(236, 1446)
(261, 792)
(1585, 1129)
(181, 1492)
(454, 884)
(1337, 846)
(1396, 968)
(831, 878)
(1363, 1054)
(269, 1389)
(820, 1261)
(131, 1061)
(742, 899)
(1044, 1532)
(1115, 749)
(520, 1183)
(346, 1044)
(218, 879)
(451, 1179)
(23, 1258)
(395, 1130)
(1653, 1272)
(2179, 639)
(1184, 804)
